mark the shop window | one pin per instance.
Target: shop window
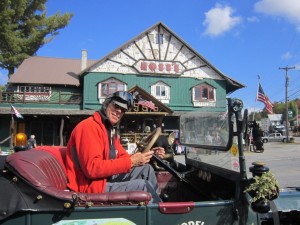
(159, 39)
(204, 95)
(108, 87)
(35, 89)
(161, 91)
(34, 93)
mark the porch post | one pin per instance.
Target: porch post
(61, 139)
(11, 131)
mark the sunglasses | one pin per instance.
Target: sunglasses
(116, 106)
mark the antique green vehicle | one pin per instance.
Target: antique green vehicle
(211, 187)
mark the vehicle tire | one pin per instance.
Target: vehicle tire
(265, 140)
(283, 140)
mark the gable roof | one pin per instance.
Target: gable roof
(173, 49)
(140, 94)
(47, 70)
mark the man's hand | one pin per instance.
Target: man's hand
(159, 151)
(140, 159)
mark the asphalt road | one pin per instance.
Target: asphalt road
(283, 159)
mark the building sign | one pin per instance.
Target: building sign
(205, 104)
(159, 67)
(143, 108)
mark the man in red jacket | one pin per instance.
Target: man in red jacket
(96, 162)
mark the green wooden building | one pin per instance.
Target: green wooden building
(166, 75)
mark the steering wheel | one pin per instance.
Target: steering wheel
(146, 144)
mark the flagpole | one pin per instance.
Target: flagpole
(258, 77)
(12, 131)
(251, 136)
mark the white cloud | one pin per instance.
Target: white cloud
(297, 66)
(219, 20)
(287, 9)
(286, 56)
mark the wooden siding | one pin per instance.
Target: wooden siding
(181, 89)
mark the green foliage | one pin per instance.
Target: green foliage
(257, 116)
(264, 187)
(279, 108)
(24, 28)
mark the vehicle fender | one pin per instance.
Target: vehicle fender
(288, 200)
(285, 209)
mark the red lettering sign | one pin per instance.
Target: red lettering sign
(168, 67)
(143, 66)
(176, 68)
(160, 67)
(152, 66)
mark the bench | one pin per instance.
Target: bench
(43, 169)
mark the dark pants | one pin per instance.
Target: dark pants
(139, 178)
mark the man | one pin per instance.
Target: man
(257, 134)
(31, 143)
(96, 162)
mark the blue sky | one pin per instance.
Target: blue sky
(243, 39)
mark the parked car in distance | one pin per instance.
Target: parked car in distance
(279, 128)
(276, 137)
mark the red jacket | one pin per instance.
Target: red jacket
(87, 159)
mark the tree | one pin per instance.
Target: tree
(24, 28)
(257, 116)
(279, 108)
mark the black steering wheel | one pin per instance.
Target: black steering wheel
(146, 144)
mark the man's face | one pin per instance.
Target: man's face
(114, 113)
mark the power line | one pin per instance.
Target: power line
(295, 93)
(290, 96)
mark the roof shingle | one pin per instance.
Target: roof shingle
(47, 70)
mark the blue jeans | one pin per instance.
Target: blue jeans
(139, 178)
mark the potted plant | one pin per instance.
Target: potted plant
(262, 189)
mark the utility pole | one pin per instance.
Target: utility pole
(286, 99)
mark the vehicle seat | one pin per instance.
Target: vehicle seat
(44, 169)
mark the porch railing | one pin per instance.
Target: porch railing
(41, 98)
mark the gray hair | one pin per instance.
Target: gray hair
(105, 103)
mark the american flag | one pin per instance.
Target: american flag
(16, 112)
(262, 97)
(148, 104)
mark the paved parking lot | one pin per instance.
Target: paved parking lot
(283, 159)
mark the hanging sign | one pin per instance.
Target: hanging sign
(159, 67)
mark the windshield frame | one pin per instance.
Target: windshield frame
(225, 147)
